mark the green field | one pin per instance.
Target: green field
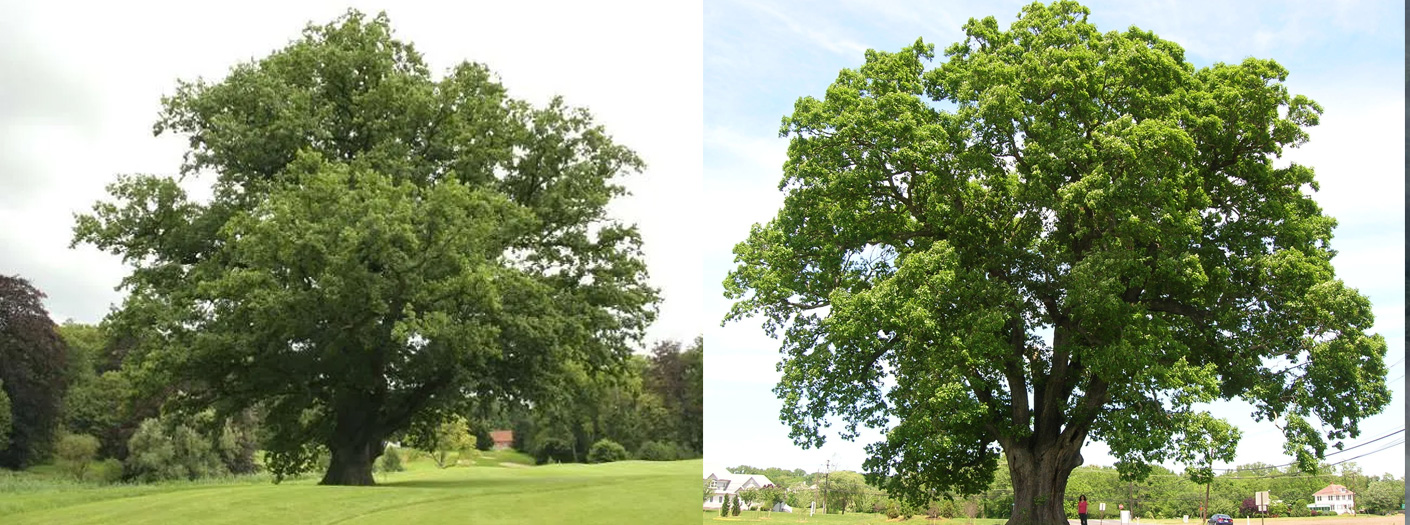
(626, 492)
(851, 518)
(713, 518)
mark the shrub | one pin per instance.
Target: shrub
(195, 453)
(158, 453)
(735, 510)
(74, 452)
(483, 441)
(467, 457)
(107, 471)
(893, 509)
(724, 509)
(944, 509)
(658, 451)
(554, 450)
(238, 442)
(391, 460)
(150, 454)
(606, 451)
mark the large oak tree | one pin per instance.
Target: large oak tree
(381, 247)
(1054, 235)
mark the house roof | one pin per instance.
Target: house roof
(1333, 490)
(502, 436)
(736, 481)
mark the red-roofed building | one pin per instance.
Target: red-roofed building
(1334, 498)
(503, 439)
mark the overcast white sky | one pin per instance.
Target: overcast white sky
(760, 57)
(81, 82)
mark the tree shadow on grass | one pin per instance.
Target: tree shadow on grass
(482, 483)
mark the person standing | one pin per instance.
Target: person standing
(1082, 508)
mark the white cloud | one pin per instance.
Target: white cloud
(635, 64)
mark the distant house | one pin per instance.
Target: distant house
(503, 439)
(725, 484)
(1334, 498)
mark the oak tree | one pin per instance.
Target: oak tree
(1055, 235)
(381, 247)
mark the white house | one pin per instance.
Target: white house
(1334, 498)
(725, 483)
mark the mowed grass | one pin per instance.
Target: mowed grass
(850, 518)
(627, 492)
(1359, 519)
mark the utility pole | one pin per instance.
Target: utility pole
(827, 471)
(1131, 497)
(1205, 509)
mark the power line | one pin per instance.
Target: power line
(1358, 445)
(1402, 360)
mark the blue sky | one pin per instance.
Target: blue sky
(760, 57)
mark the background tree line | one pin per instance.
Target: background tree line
(1163, 495)
(653, 408)
(69, 395)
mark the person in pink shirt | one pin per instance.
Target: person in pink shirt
(1082, 508)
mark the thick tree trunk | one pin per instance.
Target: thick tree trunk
(351, 465)
(356, 443)
(1040, 483)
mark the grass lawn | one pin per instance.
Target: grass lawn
(1360, 519)
(712, 517)
(626, 492)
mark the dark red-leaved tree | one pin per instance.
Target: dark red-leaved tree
(32, 363)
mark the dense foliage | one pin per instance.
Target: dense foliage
(382, 248)
(442, 439)
(33, 374)
(606, 451)
(391, 461)
(630, 406)
(161, 451)
(1161, 495)
(1085, 234)
(74, 453)
(6, 418)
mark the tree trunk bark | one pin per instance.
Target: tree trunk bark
(356, 443)
(1040, 483)
(351, 464)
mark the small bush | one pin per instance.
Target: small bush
(467, 457)
(735, 510)
(74, 452)
(658, 451)
(391, 460)
(107, 471)
(724, 509)
(893, 509)
(606, 451)
(554, 450)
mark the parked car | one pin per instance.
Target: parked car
(1221, 519)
